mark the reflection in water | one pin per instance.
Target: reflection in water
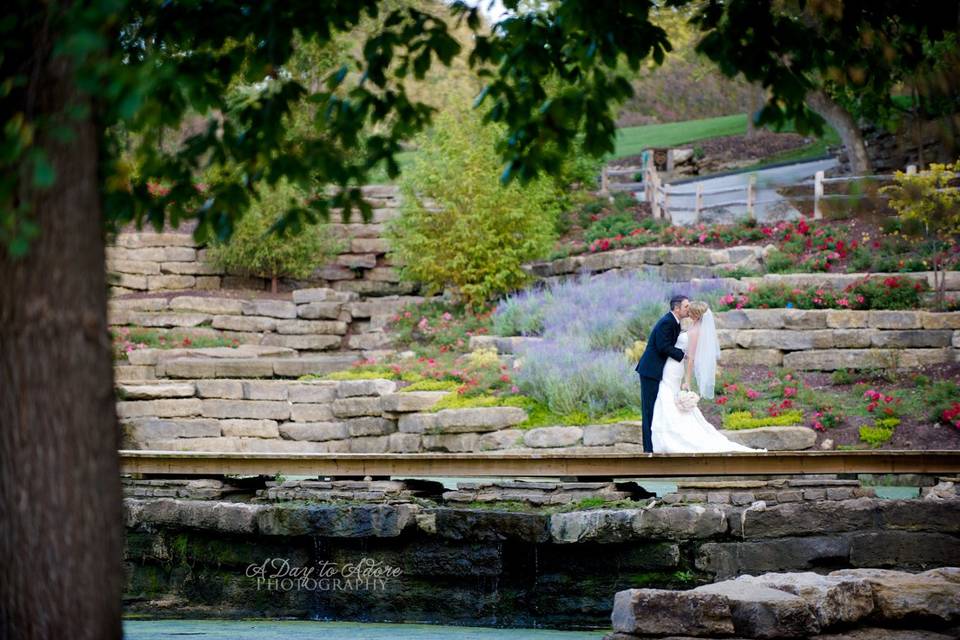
(309, 630)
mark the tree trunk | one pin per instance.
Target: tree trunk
(841, 120)
(274, 284)
(61, 537)
(758, 95)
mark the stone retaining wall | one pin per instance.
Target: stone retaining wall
(318, 319)
(174, 261)
(674, 264)
(505, 568)
(818, 339)
(357, 416)
(835, 281)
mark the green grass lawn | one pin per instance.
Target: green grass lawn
(632, 140)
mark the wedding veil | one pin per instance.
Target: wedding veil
(708, 352)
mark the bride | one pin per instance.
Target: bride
(678, 431)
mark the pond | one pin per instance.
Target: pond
(307, 629)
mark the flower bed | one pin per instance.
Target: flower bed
(892, 292)
(127, 339)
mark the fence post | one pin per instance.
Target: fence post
(655, 192)
(666, 200)
(817, 194)
(911, 169)
(750, 182)
(604, 181)
(698, 203)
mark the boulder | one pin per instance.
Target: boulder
(479, 419)
(552, 437)
(658, 612)
(774, 438)
(759, 611)
(410, 402)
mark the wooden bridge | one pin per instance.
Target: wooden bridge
(605, 465)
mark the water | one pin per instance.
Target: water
(310, 630)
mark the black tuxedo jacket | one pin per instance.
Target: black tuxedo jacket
(660, 347)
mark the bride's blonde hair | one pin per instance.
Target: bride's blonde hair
(697, 309)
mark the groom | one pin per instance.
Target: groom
(659, 348)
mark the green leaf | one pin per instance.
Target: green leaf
(43, 173)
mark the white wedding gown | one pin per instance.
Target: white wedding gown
(675, 431)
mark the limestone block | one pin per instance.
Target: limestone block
(129, 281)
(311, 413)
(829, 360)
(317, 294)
(146, 319)
(774, 339)
(729, 559)
(610, 434)
(412, 401)
(145, 429)
(355, 407)
(366, 341)
(548, 437)
(130, 373)
(913, 338)
(255, 409)
(357, 260)
(264, 390)
(417, 423)
(206, 283)
(303, 342)
(227, 389)
(759, 611)
(166, 408)
(313, 364)
(314, 431)
(933, 320)
(170, 282)
(838, 319)
(271, 308)
(494, 440)
(369, 245)
(212, 306)
(677, 613)
(370, 444)
(451, 442)
(403, 443)
(384, 274)
(312, 391)
(155, 391)
(151, 239)
(140, 267)
(896, 320)
(250, 428)
(804, 319)
(479, 419)
(317, 310)
(795, 438)
(243, 368)
(746, 357)
(371, 387)
(311, 327)
(369, 426)
(334, 272)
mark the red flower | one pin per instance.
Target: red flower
(722, 400)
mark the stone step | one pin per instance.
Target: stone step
(264, 367)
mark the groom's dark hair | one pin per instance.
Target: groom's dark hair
(676, 301)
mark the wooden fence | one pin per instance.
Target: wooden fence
(663, 197)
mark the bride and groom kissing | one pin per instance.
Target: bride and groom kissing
(672, 423)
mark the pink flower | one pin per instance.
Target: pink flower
(789, 392)
(514, 389)
(446, 316)
(752, 394)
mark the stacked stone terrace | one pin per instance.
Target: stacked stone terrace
(819, 339)
(173, 261)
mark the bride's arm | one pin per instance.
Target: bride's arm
(694, 334)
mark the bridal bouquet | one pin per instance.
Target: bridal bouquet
(687, 400)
